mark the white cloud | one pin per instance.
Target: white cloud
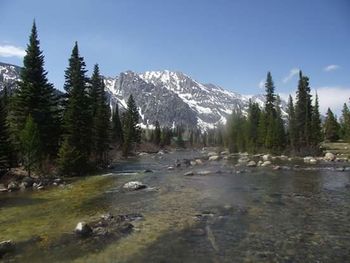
(331, 68)
(261, 84)
(332, 97)
(11, 51)
(293, 72)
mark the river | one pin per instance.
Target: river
(259, 215)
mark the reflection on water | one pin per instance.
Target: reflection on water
(257, 216)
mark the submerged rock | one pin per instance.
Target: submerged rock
(190, 173)
(83, 229)
(134, 185)
(214, 158)
(6, 247)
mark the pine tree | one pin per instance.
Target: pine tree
(292, 132)
(279, 132)
(253, 126)
(270, 96)
(303, 113)
(36, 97)
(316, 133)
(157, 133)
(100, 118)
(30, 145)
(345, 123)
(331, 127)
(77, 117)
(117, 130)
(5, 145)
(132, 133)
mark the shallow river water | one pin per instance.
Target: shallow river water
(260, 215)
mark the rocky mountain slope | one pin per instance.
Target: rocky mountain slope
(168, 97)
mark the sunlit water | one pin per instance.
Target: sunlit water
(257, 216)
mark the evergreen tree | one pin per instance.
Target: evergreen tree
(117, 130)
(303, 113)
(132, 133)
(5, 145)
(100, 117)
(270, 96)
(236, 132)
(316, 133)
(77, 118)
(35, 96)
(157, 133)
(345, 123)
(292, 132)
(30, 145)
(253, 126)
(279, 132)
(331, 127)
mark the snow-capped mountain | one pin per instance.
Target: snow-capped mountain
(9, 75)
(175, 98)
(168, 97)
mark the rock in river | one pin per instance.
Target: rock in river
(6, 246)
(329, 156)
(190, 173)
(251, 164)
(266, 163)
(214, 158)
(83, 229)
(134, 185)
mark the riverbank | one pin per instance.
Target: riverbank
(224, 210)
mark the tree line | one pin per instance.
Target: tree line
(41, 129)
(299, 132)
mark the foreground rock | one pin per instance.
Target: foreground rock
(6, 247)
(251, 164)
(329, 156)
(83, 229)
(134, 185)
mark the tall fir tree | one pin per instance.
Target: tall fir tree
(253, 126)
(270, 96)
(35, 96)
(316, 125)
(279, 131)
(117, 129)
(292, 132)
(5, 144)
(30, 145)
(303, 114)
(76, 119)
(345, 123)
(132, 133)
(331, 127)
(100, 118)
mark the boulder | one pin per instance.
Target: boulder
(190, 173)
(12, 186)
(6, 247)
(193, 163)
(28, 181)
(134, 185)
(266, 163)
(260, 163)
(243, 160)
(251, 164)
(313, 161)
(2, 188)
(266, 157)
(214, 158)
(83, 229)
(199, 161)
(329, 156)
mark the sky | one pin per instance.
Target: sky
(231, 43)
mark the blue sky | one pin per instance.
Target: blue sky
(229, 43)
